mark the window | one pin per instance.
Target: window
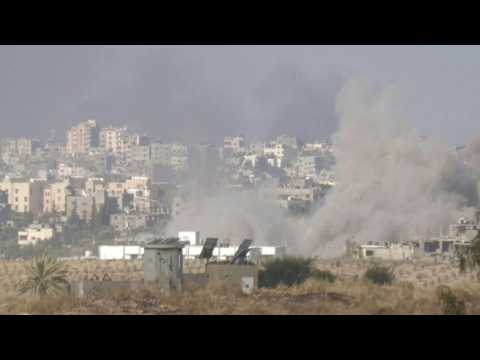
(369, 253)
(25, 199)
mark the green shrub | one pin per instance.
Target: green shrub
(451, 303)
(288, 271)
(323, 275)
(380, 275)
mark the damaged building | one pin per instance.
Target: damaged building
(460, 235)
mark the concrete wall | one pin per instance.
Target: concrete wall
(232, 275)
(195, 281)
(89, 288)
(194, 266)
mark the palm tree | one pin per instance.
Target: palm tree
(45, 275)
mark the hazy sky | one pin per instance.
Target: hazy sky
(205, 92)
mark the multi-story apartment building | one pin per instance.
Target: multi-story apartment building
(123, 222)
(94, 184)
(160, 154)
(24, 196)
(19, 146)
(140, 188)
(85, 205)
(290, 141)
(55, 197)
(117, 190)
(234, 144)
(139, 153)
(309, 165)
(282, 153)
(27, 147)
(83, 137)
(64, 171)
(112, 139)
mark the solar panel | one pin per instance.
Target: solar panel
(242, 251)
(207, 250)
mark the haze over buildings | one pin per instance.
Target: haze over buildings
(286, 145)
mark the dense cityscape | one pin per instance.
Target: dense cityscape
(106, 185)
(246, 180)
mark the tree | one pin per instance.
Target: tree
(74, 219)
(288, 271)
(469, 257)
(45, 275)
(380, 275)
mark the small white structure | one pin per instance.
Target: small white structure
(387, 252)
(192, 237)
(273, 251)
(120, 252)
(35, 233)
(224, 252)
(221, 253)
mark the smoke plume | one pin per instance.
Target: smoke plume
(233, 216)
(390, 184)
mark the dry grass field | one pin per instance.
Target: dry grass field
(11, 272)
(424, 274)
(415, 291)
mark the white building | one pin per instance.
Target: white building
(192, 237)
(64, 171)
(387, 252)
(120, 252)
(234, 144)
(283, 154)
(35, 233)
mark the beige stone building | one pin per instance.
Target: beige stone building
(84, 205)
(140, 188)
(83, 137)
(111, 138)
(139, 153)
(65, 170)
(55, 197)
(24, 196)
(119, 141)
(19, 146)
(94, 184)
(27, 147)
(116, 190)
(160, 154)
